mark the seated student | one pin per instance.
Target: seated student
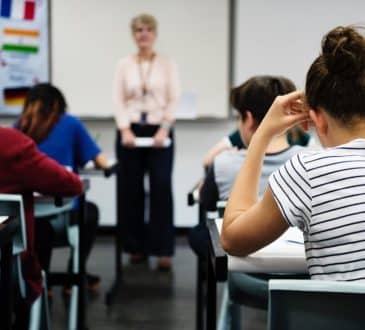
(232, 141)
(320, 192)
(26, 170)
(65, 139)
(252, 99)
(295, 136)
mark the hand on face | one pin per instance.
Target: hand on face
(286, 111)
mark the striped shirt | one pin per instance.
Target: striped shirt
(323, 193)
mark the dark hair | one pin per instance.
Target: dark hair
(336, 79)
(43, 106)
(258, 93)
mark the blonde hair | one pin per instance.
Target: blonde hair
(145, 19)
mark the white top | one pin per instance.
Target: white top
(161, 80)
(322, 193)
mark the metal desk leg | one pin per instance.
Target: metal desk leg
(114, 289)
(211, 297)
(118, 238)
(6, 297)
(81, 306)
(201, 279)
(200, 297)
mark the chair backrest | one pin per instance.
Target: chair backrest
(310, 304)
(221, 206)
(47, 207)
(59, 216)
(12, 205)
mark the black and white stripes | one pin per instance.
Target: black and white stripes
(323, 193)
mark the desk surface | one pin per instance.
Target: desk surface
(285, 255)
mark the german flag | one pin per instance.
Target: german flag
(15, 96)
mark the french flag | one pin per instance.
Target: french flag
(18, 9)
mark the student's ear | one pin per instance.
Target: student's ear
(319, 120)
(250, 122)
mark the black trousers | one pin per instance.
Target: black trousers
(156, 236)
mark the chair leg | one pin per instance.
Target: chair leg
(35, 314)
(200, 295)
(223, 318)
(73, 316)
(234, 311)
(72, 323)
(39, 316)
(45, 316)
(6, 299)
(211, 309)
(230, 314)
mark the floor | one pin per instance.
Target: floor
(149, 300)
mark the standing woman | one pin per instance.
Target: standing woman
(146, 91)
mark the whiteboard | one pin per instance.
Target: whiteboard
(89, 36)
(24, 50)
(283, 37)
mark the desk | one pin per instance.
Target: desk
(285, 255)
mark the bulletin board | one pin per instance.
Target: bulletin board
(24, 52)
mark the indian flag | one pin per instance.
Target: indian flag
(20, 40)
(18, 9)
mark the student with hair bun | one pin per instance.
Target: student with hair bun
(320, 192)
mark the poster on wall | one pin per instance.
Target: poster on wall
(24, 54)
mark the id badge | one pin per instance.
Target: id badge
(143, 120)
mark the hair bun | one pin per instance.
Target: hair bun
(343, 50)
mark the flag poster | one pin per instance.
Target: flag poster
(24, 54)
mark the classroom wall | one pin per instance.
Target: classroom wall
(192, 140)
(283, 37)
(89, 37)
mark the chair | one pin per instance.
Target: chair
(311, 304)
(221, 207)
(12, 205)
(241, 289)
(66, 235)
(245, 290)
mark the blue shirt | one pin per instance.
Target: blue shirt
(69, 143)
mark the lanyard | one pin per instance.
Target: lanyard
(145, 77)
